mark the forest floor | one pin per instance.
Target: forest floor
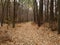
(28, 34)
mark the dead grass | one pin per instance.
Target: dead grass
(28, 34)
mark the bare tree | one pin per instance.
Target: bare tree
(47, 18)
(40, 16)
(2, 16)
(35, 10)
(14, 14)
(56, 10)
(8, 10)
(58, 16)
(51, 14)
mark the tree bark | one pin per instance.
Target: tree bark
(51, 15)
(2, 16)
(40, 16)
(14, 15)
(35, 10)
(58, 16)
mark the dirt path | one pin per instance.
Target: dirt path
(28, 34)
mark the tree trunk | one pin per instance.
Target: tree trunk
(14, 15)
(47, 18)
(2, 16)
(51, 15)
(58, 16)
(35, 10)
(40, 16)
(55, 10)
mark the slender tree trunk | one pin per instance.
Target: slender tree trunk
(19, 12)
(28, 12)
(8, 11)
(35, 10)
(55, 10)
(51, 11)
(2, 16)
(45, 13)
(58, 16)
(40, 16)
(47, 18)
(14, 15)
(51, 15)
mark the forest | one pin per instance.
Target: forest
(29, 22)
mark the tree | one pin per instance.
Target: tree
(45, 11)
(51, 14)
(35, 11)
(2, 16)
(56, 10)
(40, 16)
(58, 16)
(14, 14)
(47, 18)
(8, 10)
